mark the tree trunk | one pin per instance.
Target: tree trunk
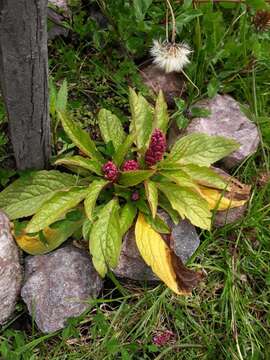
(24, 79)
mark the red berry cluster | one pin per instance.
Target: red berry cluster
(163, 338)
(156, 148)
(130, 165)
(110, 171)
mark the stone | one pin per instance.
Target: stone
(62, 4)
(57, 27)
(185, 240)
(10, 270)
(172, 84)
(226, 119)
(131, 265)
(222, 218)
(57, 286)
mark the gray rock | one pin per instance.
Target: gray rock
(185, 240)
(57, 28)
(57, 286)
(131, 265)
(172, 84)
(227, 120)
(222, 218)
(56, 31)
(62, 4)
(10, 270)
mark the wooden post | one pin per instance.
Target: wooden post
(24, 79)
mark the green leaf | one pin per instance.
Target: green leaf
(132, 178)
(80, 137)
(152, 196)
(77, 160)
(74, 215)
(53, 97)
(142, 206)
(257, 4)
(5, 176)
(140, 8)
(50, 238)
(86, 229)
(92, 195)
(161, 117)
(127, 216)
(201, 149)
(142, 119)
(164, 203)
(187, 16)
(57, 206)
(188, 204)
(187, 4)
(158, 224)
(105, 238)
(123, 149)
(199, 112)
(122, 191)
(213, 87)
(27, 194)
(204, 176)
(181, 121)
(181, 105)
(111, 128)
(179, 177)
(62, 96)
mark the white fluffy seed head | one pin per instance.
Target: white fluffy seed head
(170, 57)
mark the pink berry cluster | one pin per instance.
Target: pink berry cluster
(156, 148)
(130, 165)
(110, 171)
(163, 338)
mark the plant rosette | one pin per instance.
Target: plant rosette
(124, 181)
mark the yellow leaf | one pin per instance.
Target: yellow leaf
(51, 239)
(219, 201)
(164, 263)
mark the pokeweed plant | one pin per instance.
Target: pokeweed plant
(122, 181)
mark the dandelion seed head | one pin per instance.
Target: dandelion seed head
(170, 57)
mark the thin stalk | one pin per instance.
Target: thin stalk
(254, 90)
(173, 21)
(192, 83)
(167, 25)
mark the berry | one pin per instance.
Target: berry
(130, 165)
(110, 171)
(163, 338)
(135, 196)
(156, 148)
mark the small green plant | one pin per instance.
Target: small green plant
(126, 176)
(58, 102)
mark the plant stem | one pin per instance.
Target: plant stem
(167, 25)
(192, 83)
(173, 21)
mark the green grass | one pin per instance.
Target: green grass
(228, 315)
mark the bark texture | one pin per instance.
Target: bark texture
(24, 79)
